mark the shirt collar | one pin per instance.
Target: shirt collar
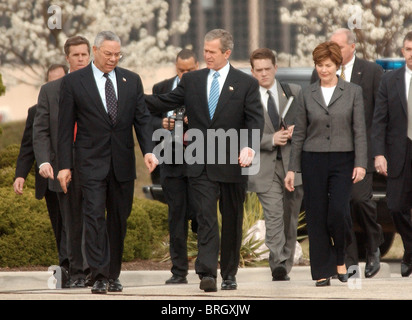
(99, 73)
(351, 62)
(223, 72)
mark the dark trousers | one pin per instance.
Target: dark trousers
(176, 192)
(104, 236)
(399, 195)
(231, 197)
(70, 206)
(365, 212)
(55, 216)
(327, 182)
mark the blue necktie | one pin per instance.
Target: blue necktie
(214, 94)
(111, 100)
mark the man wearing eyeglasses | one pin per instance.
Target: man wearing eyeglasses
(107, 102)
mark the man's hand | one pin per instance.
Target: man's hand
(246, 157)
(168, 123)
(150, 161)
(64, 176)
(280, 138)
(18, 185)
(381, 165)
(46, 171)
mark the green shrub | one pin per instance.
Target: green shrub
(26, 235)
(8, 156)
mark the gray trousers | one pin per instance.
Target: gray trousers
(281, 209)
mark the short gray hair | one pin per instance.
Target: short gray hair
(105, 35)
(226, 39)
(350, 36)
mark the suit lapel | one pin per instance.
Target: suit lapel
(228, 89)
(338, 91)
(121, 81)
(400, 85)
(318, 96)
(89, 83)
(282, 99)
(357, 72)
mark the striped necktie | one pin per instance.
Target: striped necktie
(214, 94)
(342, 74)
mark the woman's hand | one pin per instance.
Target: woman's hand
(358, 174)
(290, 181)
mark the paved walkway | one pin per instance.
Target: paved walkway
(253, 284)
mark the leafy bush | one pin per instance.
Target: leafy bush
(26, 235)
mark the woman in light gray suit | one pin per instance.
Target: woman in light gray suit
(329, 148)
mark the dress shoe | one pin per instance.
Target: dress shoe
(280, 273)
(78, 283)
(115, 285)
(176, 280)
(343, 277)
(208, 284)
(65, 277)
(373, 264)
(323, 283)
(100, 286)
(229, 283)
(89, 281)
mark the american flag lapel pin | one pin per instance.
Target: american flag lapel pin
(124, 79)
(231, 88)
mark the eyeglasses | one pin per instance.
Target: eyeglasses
(108, 54)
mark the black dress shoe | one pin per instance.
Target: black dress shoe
(115, 285)
(78, 283)
(229, 283)
(208, 284)
(373, 264)
(176, 280)
(323, 283)
(100, 286)
(280, 273)
(343, 277)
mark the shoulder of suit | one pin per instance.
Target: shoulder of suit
(368, 64)
(164, 82)
(51, 85)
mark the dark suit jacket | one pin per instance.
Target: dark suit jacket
(26, 157)
(367, 75)
(238, 108)
(337, 127)
(166, 170)
(45, 129)
(390, 122)
(98, 143)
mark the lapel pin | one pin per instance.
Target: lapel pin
(231, 88)
(124, 79)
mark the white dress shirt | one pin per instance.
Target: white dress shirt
(408, 78)
(223, 72)
(101, 82)
(348, 69)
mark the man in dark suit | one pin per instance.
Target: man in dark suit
(25, 162)
(45, 131)
(218, 98)
(173, 177)
(367, 75)
(392, 147)
(106, 102)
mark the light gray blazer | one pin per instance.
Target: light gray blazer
(338, 127)
(263, 180)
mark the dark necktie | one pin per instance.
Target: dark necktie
(272, 111)
(111, 100)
